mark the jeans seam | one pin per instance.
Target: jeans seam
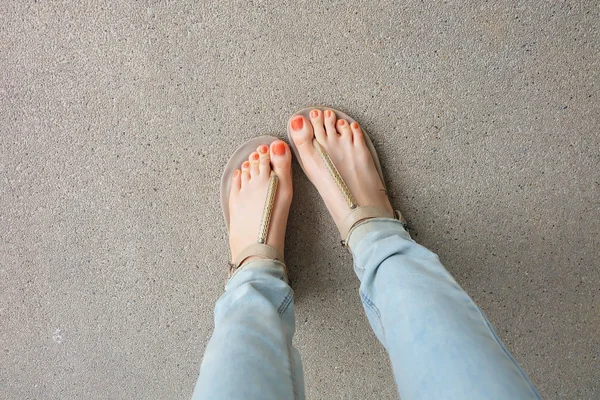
(280, 310)
(370, 303)
(285, 302)
(510, 357)
(291, 361)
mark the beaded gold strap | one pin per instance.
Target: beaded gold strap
(263, 231)
(261, 249)
(357, 214)
(335, 174)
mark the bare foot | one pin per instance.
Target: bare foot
(248, 196)
(345, 144)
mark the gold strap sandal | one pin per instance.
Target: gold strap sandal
(260, 248)
(356, 213)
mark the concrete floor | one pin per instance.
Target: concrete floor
(118, 118)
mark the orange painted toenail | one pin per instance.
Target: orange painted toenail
(263, 149)
(355, 125)
(328, 113)
(314, 113)
(278, 148)
(297, 123)
(246, 164)
(342, 122)
(255, 156)
(236, 173)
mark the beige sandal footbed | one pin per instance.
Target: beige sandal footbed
(356, 214)
(305, 112)
(235, 161)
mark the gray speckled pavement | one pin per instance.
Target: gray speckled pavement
(118, 117)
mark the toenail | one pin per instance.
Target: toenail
(255, 156)
(342, 122)
(246, 164)
(328, 113)
(263, 149)
(355, 125)
(236, 173)
(314, 113)
(297, 123)
(278, 148)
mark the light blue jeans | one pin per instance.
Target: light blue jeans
(440, 344)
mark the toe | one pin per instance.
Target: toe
(245, 172)
(253, 159)
(330, 123)
(280, 154)
(281, 160)
(357, 134)
(301, 131)
(236, 182)
(302, 135)
(316, 120)
(343, 127)
(264, 163)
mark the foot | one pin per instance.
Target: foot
(345, 144)
(248, 194)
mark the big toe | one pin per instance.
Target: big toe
(281, 157)
(301, 130)
(281, 160)
(302, 134)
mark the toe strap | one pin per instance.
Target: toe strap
(261, 249)
(357, 213)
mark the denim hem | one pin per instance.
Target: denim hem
(362, 229)
(264, 263)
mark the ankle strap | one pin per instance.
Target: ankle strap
(255, 250)
(360, 214)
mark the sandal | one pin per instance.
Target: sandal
(356, 213)
(260, 248)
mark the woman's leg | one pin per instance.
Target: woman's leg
(250, 355)
(440, 343)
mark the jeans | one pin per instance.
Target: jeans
(440, 344)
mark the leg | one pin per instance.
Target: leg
(440, 343)
(250, 355)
